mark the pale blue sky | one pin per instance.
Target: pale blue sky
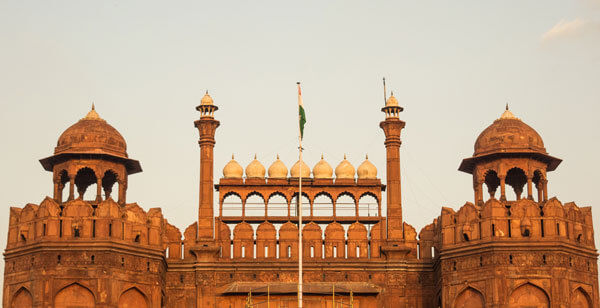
(146, 64)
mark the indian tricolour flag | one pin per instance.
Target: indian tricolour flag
(301, 114)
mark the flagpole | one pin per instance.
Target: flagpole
(299, 207)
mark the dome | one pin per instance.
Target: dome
(278, 170)
(367, 170)
(508, 134)
(322, 170)
(392, 101)
(91, 135)
(233, 170)
(344, 170)
(295, 172)
(206, 99)
(255, 169)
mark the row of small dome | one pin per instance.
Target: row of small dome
(278, 170)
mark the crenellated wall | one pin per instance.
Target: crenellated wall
(115, 254)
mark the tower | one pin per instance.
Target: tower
(207, 125)
(392, 127)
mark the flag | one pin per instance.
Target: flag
(301, 114)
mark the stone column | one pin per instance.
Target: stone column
(503, 188)
(99, 190)
(530, 188)
(71, 188)
(545, 189)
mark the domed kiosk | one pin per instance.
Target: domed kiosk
(89, 152)
(509, 152)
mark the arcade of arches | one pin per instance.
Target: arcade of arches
(512, 245)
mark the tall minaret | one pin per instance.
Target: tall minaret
(392, 127)
(207, 125)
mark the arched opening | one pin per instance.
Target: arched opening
(132, 298)
(492, 181)
(345, 205)
(277, 205)
(86, 178)
(305, 205)
(255, 205)
(527, 296)
(232, 205)
(517, 179)
(580, 299)
(62, 184)
(108, 181)
(22, 299)
(469, 298)
(323, 205)
(368, 206)
(537, 181)
(74, 295)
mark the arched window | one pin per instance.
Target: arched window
(108, 181)
(517, 179)
(86, 178)
(277, 205)
(323, 205)
(345, 205)
(492, 181)
(255, 205)
(232, 205)
(368, 206)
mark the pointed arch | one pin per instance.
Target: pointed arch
(22, 299)
(580, 299)
(74, 295)
(133, 298)
(528, 295)
(469, 298)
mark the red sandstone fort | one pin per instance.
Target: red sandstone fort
(533, 251)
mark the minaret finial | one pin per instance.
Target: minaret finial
(344, 155)
(321, 155)
(232, 156)
(206, 91)
(93, 107)
(367, 156)
(506, 106)
(278, 156)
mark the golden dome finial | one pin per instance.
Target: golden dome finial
(507, 106)
(507, 114)
(92, 115)
(254, 155)
(321, 155)
(344, 155)
(232, 156)
(277, 155)
(367, 156)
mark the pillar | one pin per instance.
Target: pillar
(99, 190)
(545, 189)
(529, 188)
(503, 188)
(56, 190)
(122, 192)
(538, 186)
(71, 188)
(392, 127)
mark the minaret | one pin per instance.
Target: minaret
(392, 127)
(207, 126)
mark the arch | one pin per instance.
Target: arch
(516, 178)
(277, 204)
(63, 179)
(306, 203)
(255, 204)
(469, 298)
(368, 205)
(74, 295)
(345, 204)
(492, 181)
(580, 299)
(133, 298)
(231, 204)
(109, 179)
(323, 204)
(85, 178)
(528, 295)
(22, 299)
